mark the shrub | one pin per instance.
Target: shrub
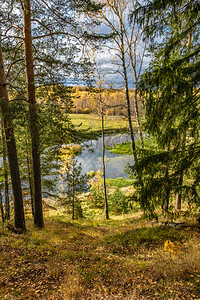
(73, 110)
(86, 111)
(76, 149)
(121, 112)
(118, 202)
(96, 198)
(96, 190)
(109, 112)
(70, 150)
(91, 174)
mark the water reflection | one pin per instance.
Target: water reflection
(91, 157)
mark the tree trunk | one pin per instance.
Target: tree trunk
(135, 102)
(165, 202)
(30, 178)
(38, 215)
(178, 202)
(138, 174)
(179, 195)
(11, 149)
(137, 117)
(123, 60)
(129, 109)
(1, 208)
(73, 195)
(5, 165)
(104, 169)
(73, 207)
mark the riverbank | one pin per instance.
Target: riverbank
(126, 257)
(149, 143)
(90, 125)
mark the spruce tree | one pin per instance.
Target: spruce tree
(74, 183)
(170, 88)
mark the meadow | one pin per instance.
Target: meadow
(92, 122)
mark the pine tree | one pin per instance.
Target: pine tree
(5, 171)
(11, 148)
(45, 49)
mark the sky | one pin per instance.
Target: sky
(111, 76)
(107, 62)
(104, 59)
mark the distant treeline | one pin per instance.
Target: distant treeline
(87, 101)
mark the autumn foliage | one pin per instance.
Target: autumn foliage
(86, 101)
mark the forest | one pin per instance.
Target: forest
(99, 149)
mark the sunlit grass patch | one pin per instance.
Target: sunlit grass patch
(148, 237)
(93, 122)
(71, 288)
(149, 143)
(124, 148)
(119, 182)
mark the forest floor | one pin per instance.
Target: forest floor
(126, 257)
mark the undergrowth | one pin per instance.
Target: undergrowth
(122, 258)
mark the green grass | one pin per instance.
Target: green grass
(92, 122)
(119, 182)
(125, 148)
(122, 258)
(132, 240)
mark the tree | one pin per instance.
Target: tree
(124, 44)
(2, 208)
(38, 214)
(102, 103)
(103, 158)
(73, 184)
(171, 99)
(55, 105)
(11, 148)
(45, 63)
(5, 171)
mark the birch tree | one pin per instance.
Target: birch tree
(128, 51)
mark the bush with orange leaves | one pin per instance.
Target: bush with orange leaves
(171, 247)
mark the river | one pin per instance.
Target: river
(91, 156)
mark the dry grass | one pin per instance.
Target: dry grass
(71, 287)
(123, 258)
(182, 263)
